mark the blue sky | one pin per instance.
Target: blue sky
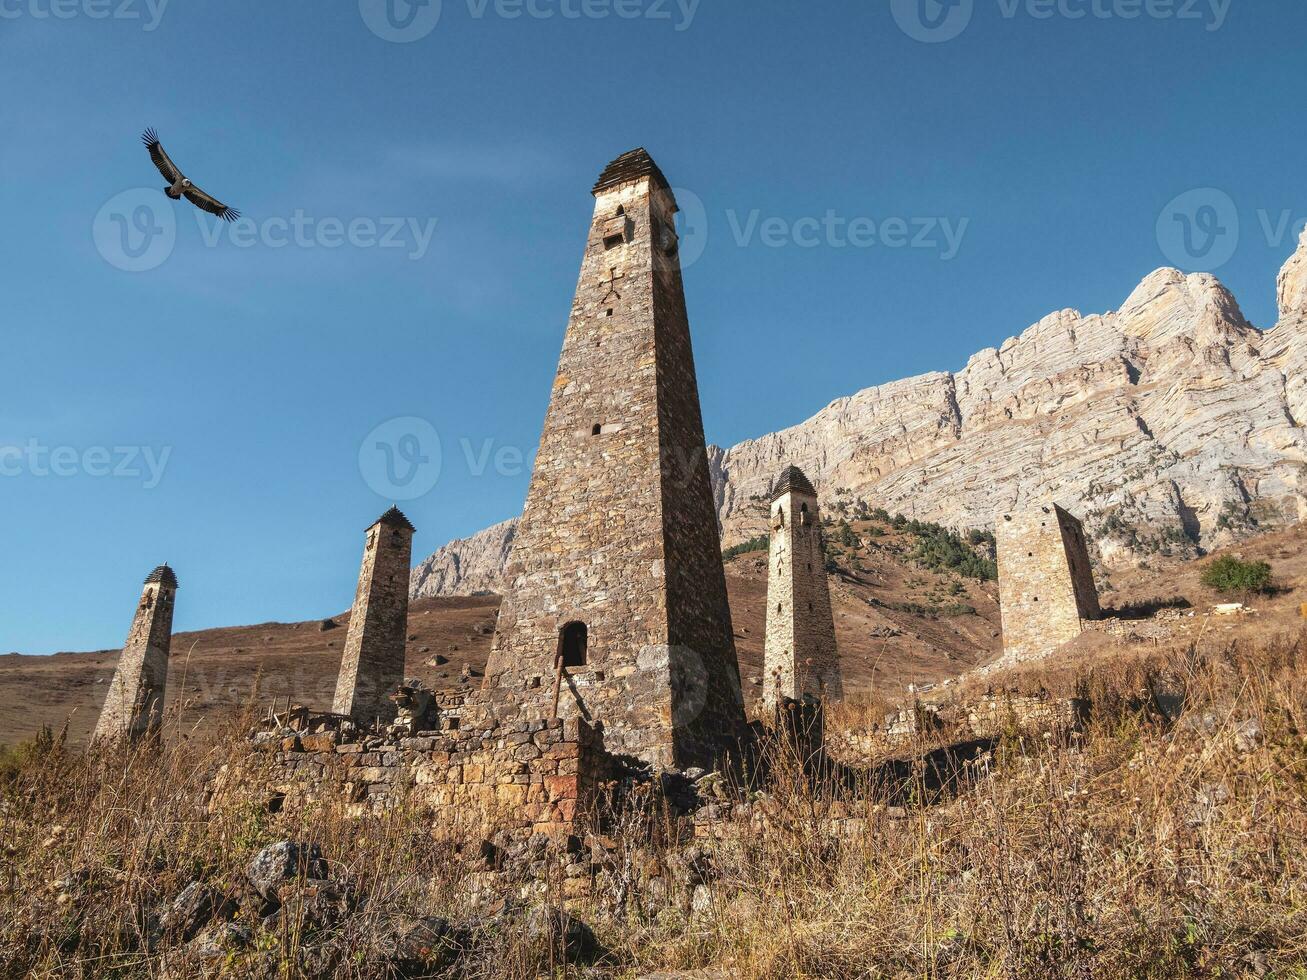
(210, 410)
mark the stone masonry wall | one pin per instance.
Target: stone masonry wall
(134, 705)
(619, 531)
(372, 664)
(989, 717)
(800, 654)
(1046, 583)
(534, 777)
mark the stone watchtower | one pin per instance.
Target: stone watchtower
(134, 706)
(800, 658)
(616, 597)
(1045, 581)
(373, 663)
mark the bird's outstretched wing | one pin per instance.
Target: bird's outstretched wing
(206, 203)
(161, 159)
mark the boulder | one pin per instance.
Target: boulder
(284, 861)
(568, 935)
(413, 947)
(195, 907)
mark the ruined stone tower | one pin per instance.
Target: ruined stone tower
(1045, 580)
(616, 570)
(800, 658)
(134, 706)
(373, 663)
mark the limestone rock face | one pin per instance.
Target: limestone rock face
(1292, 284)
(467, 566)
(1171, 423)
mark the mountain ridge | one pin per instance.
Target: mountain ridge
(1171, 424)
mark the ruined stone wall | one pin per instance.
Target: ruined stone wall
(989, 717)
(134, 705)
(1025, 714)
(372, 664)
(800, 654)
(1046, 583)
(536, 777)
(619, 531)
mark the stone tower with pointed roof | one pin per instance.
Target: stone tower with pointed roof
(372, 666)
(1045, 580)
(616, 597)
(800, 660)
(134, 705)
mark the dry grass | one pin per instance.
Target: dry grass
(1142, 846)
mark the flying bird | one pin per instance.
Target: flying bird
(180, 185)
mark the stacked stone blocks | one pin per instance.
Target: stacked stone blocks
(537, 777)
(372, 665)
(618, 540)
(800, 657)
(1046, 581)
(133, 708)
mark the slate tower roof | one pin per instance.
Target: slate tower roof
(164, 576)
(792, 478)
(395, 518)
(628, 167)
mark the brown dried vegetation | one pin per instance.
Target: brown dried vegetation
(1166, 838)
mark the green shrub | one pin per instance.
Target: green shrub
(761, 543)
(940, 549)
(1229, 574)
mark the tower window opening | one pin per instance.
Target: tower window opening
(572, 642)
(597, 429)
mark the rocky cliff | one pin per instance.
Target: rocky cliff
(1171, 424)
(470, 566)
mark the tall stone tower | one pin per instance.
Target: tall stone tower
(373, 663)
(616, 572)
(800, 658)
(134, 706)
(1045, 580)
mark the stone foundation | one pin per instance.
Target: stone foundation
(534, 777)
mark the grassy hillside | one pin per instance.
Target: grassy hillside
(1161, 843)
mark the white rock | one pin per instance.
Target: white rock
(1292, 283)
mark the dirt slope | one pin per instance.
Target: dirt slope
(897, 623)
